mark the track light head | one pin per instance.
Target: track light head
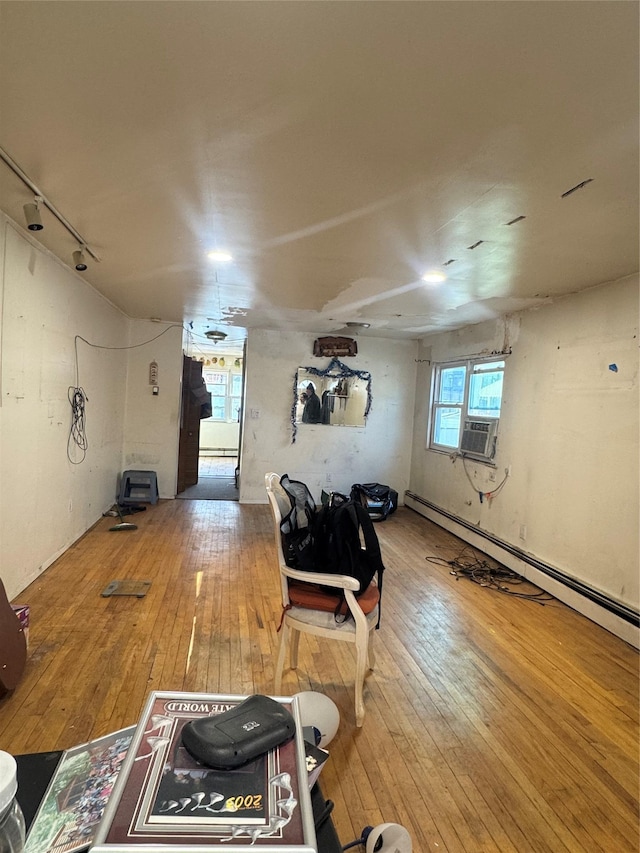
(32, 215)
(78, 260)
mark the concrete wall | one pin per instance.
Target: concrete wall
(325, 457)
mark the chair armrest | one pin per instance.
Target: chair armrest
(337, 581)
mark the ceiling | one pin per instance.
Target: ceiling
(337, 150)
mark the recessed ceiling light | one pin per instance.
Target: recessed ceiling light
(219, 255)
(434, 277)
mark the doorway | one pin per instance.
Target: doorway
(216, 480)
(213, 435)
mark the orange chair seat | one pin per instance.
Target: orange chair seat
(312, 597)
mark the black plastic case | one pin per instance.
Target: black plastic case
(235, 737)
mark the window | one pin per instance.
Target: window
(226, 393)
(465, 406)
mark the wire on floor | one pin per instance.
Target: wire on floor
(469, 565)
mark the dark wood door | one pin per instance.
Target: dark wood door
(189, 446)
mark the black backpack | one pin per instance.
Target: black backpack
(379, 500)
(296, 527)
(339, 538)
(346, 543)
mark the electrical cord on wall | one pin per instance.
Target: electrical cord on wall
(78, 398)
(482, 495)
(77, 432)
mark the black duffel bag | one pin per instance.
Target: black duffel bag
(379, 500)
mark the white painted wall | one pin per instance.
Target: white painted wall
(325, 457)
(151, 430)
(46, 502)
(219, 436)
(569, 431)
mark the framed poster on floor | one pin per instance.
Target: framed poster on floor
(164, 799)
(77, 795)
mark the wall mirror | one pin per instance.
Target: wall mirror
(336, 395)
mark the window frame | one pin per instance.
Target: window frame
(229, 375)
(437, 404)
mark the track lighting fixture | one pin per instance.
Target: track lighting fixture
(32, 215)
(78, 260)
(32, 210)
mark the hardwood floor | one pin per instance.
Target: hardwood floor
(493, 723)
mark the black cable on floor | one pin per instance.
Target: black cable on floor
(493, 577)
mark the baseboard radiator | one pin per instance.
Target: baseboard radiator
(600, 608)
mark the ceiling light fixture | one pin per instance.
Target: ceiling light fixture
(219, 255)
(358, 325)
(434, 277)
(78, 259)
(215, 335)
(32, 214)
(42, 199)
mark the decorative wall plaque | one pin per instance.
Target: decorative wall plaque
(333, 346)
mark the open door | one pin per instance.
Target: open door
(241, 414)
(194, 397)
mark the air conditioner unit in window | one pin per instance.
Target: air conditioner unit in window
(479, 438)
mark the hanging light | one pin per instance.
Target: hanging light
(215, 335)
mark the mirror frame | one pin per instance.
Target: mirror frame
(335, 369)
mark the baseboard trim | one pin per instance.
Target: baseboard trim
(616, 617)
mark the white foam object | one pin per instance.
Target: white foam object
(395, 839)
(320, 713)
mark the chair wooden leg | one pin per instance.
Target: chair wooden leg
(370, 652)
(362, 656)
(284, 637)
(294, 642)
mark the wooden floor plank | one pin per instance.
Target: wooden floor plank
(494, 724)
